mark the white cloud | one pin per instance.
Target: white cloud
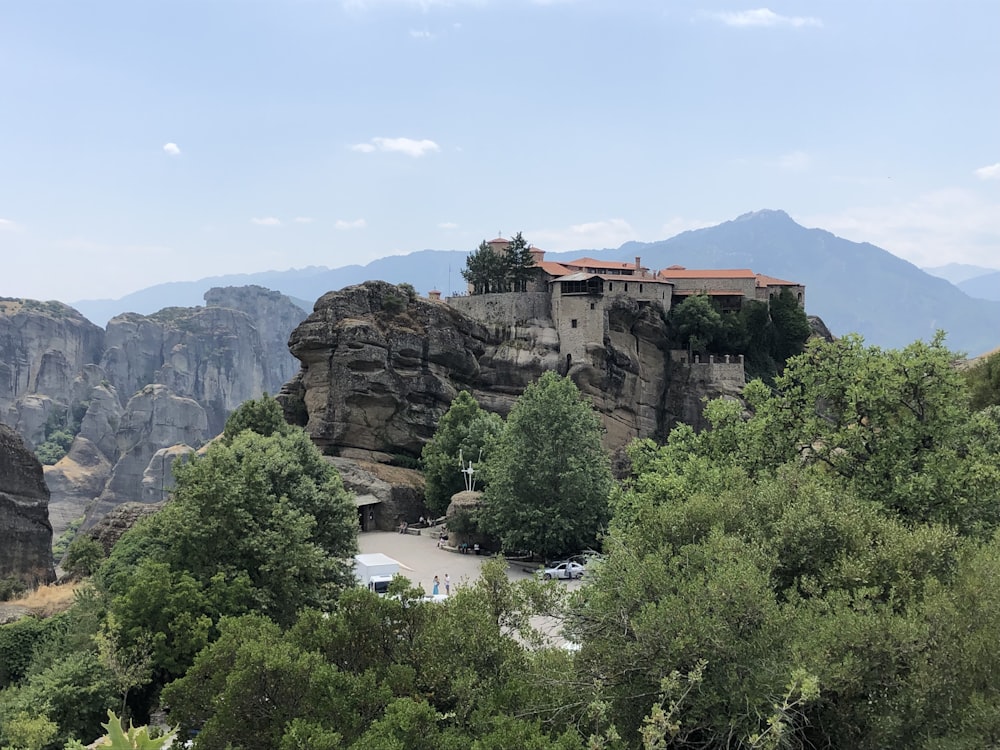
(763, 17)
(592, 235)
(356, 224)
(992, 172)
(447, 225)
(8, 224)
(408, 146)
(943, 226)
(303, 220)
(172, 148)
(418, 34)
(266, 221)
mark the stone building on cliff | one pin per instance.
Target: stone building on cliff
(575, 296)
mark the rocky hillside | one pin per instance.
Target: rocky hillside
(124, 402)
(379, 370)
(26, 552)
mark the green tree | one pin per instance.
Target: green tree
(485, 270)
(521, 262)
(466, 430)
(983, 379)
(83, 556)
(261, 415)
(259, 524)
(548, 477)
(490, 272)
(790, 324)
(697, 322)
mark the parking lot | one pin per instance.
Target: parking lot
(421, 559)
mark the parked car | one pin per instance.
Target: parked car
(566, 570)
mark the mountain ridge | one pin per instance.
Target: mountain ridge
(853, 286)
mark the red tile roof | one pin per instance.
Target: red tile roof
(591, 263)
(552, 268)
(763, 280)
(714, 273)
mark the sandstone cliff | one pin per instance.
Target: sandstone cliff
(147, 383)
(43, 345)
(26, 551)
(379, 370)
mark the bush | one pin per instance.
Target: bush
(11, 588)
(83, 557)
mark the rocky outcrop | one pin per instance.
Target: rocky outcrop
(274, 316)
(379, 370)
(25, 533)
(60, 373)
(109, 529)
(75, 481)
(158, 478)
(387, 494)
(210, 354)
(42, 347)
(154, 417)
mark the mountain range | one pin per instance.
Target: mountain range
(853, 287)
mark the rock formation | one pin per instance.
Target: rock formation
(42, 347)
(59, 374)
(26, 551)
(379, 370)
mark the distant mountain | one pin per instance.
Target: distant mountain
(425, 269)
(983, 287)
(191, 293)
(853, 287)
(956, 273)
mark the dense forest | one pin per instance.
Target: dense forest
(816, 570)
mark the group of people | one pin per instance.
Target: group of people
(437, 586)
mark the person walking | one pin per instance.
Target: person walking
(437, 583)
(447, 585)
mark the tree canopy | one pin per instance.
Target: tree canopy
(488, 271)
(548, 476)
(806, 571)
(465, 430)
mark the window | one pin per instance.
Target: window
(572, 323)
(592, 304)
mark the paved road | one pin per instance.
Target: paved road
(422, 560)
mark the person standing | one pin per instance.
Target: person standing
(447, 585)
(437, 583)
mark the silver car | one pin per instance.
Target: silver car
(566, 570)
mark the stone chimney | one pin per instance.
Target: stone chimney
(638, 262)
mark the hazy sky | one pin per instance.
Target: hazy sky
(145, 141)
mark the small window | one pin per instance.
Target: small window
(640, 288)
(572, 323)
(610, 286)
(626, 286)
(592, 304)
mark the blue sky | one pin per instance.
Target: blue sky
(146, 141)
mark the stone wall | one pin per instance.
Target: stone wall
(504, 309)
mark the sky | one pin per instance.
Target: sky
(144, 141)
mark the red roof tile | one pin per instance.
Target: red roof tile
(763, 280)
(591, 263)
(714, 273)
